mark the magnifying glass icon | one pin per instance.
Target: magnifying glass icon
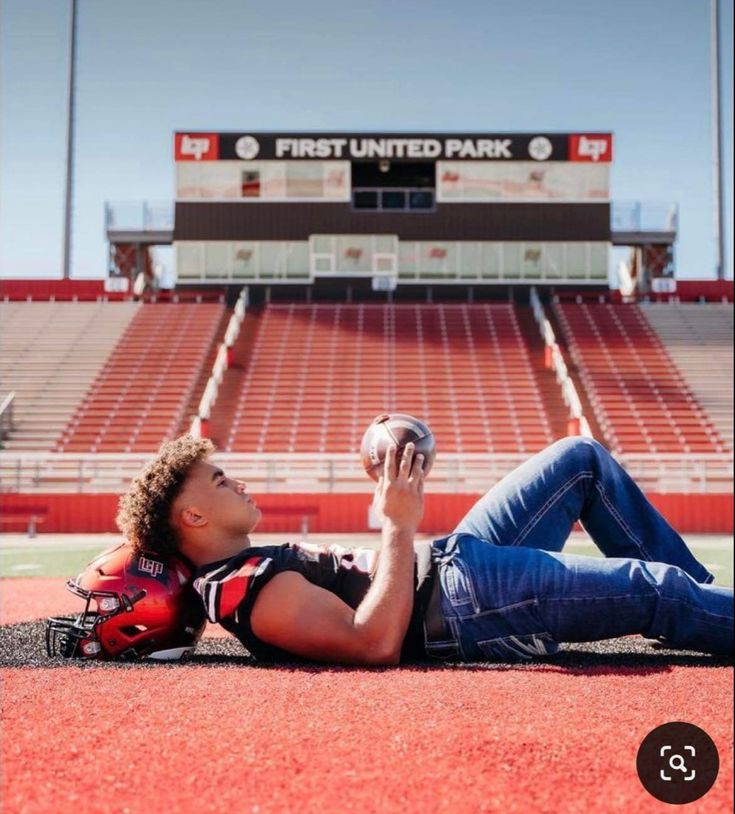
(677, 762)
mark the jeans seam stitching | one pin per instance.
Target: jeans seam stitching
(540, 513)
(464, 568)
(456, 636)
(543, 635)
(621, 522)
(603, 598)
(695, 607)
(514, 606)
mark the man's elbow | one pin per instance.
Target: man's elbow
(393, 659)
(383, 656)
(377, 647)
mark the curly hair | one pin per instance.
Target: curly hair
(144, 512)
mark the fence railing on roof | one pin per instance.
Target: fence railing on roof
(139, 216)
(642, 216)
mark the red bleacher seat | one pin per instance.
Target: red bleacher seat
(138, 398)
(641, 401)
(318, 374)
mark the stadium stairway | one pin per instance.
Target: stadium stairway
(699, 339)
(640, 398)
(310, 378)
(50, 354)
(139, 397)
(220, 421)
(549, 389)
(192, 406)
(573, 372)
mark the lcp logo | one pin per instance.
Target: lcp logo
(590, 147)
(196, 147)
(152, 567)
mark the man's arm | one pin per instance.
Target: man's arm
(302, 618)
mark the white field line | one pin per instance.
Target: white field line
(15, 543)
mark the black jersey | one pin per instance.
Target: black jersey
(230, 587)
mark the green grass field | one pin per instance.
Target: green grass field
(66, 560)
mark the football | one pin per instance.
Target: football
(399, 429)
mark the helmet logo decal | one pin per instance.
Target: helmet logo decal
(151, 567)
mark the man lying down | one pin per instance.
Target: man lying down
(497, 588)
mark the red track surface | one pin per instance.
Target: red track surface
(246, 739)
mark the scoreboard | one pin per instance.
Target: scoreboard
(492, 207)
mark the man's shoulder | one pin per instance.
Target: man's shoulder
(250, 553)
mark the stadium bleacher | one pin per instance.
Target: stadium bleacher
(699, 339)
(142, 392)
(641, 400)
(51, 353)
(316, 375)
(303, 381)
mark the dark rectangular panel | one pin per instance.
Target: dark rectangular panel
(290, 221)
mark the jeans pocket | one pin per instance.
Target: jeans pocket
(524, 647)
(458, 586)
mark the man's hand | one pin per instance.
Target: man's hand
(399, 496)
(302, 618)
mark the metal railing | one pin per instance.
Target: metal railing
(557, 363)
(139, 216)
(672, 472)
(318, 473)
(221, 363)
(640, 216)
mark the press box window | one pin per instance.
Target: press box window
(393, 185)
(421, 199)
(393, 199)
(365, 199)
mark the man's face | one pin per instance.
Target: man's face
(222, 501)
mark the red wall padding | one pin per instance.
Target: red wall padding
(711, 290)
(344, 513)
(92, 290)
(59, 289)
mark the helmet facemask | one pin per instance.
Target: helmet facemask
(78, 636)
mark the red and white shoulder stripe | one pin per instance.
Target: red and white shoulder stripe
(225, 588)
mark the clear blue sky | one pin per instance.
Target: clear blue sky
(640, 68)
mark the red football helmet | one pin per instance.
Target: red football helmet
(144, 607)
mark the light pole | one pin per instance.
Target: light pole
(69, 187)
(718, 179)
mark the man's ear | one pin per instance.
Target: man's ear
(191, 516)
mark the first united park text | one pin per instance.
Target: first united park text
(595, 147)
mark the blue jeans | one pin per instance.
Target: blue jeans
(507, 594)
